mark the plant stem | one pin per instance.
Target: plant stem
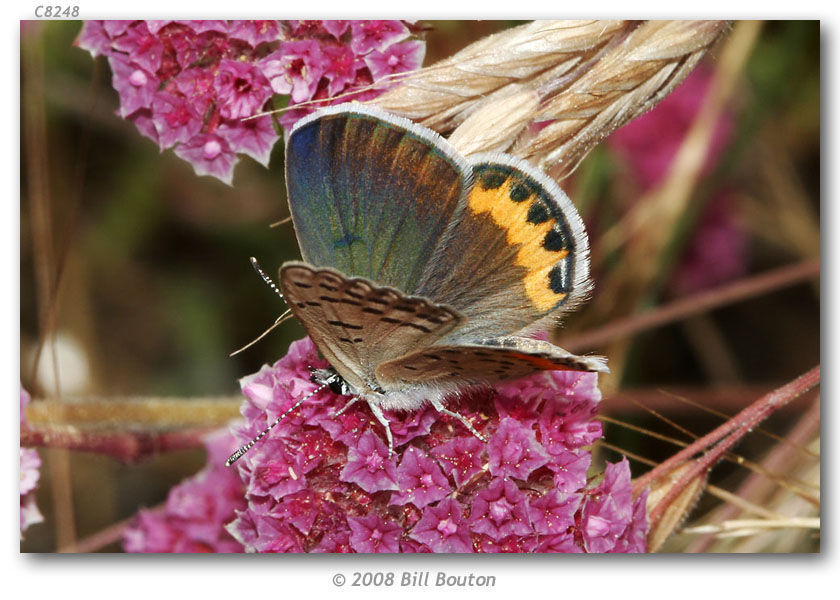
(722, 439)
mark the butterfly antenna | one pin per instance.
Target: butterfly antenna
(269, 282)
(242, 450)
(284, 317)
(281, 222)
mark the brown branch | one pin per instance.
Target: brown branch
(144, 412)
(126, 446)
(738, 291)
(719, 441)
(780, 460)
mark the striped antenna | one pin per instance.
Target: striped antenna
(239, 453)
(284, 317)
(265, 277)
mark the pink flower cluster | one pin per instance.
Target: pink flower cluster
(718, 251)
(325, 483)
(196, 510)
(190, 84)
(30, 464)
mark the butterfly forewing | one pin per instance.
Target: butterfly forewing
(357, 324)
(372, 195)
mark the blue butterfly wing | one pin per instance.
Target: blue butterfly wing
(372, 195)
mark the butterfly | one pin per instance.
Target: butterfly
(425, 271)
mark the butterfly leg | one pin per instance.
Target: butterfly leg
(380, 416)
(352, 401)
(442, 409)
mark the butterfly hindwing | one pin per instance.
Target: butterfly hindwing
(372, 195)
(484, 361)
(357, 324)
(517, 253)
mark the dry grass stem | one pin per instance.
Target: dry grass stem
(154, 412)
(550, 91)
(677, 508)
(743, 527)
(443, 95)
(626, 81)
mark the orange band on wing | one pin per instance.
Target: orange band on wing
(512, 216)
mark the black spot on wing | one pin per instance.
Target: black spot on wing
(554, 240)
(519, 192)
(337, 323)
(491, 180)
(538, 213)
(559, 278)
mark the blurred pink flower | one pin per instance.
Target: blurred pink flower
(650, 142)
(193, 518)
(717, 251)
(30, 465)
(324, 483)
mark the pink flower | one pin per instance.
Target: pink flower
(241, 89)
(94, 38)
(369, 466)
(500, 510)
(254, 137)
(276, 472)
(608, 509)
(420, 479)
(569, 467)
(30, 465)
(145, 124)
(190, 84)
(175, 119)
(295, 69)
(324, 483)
(405, 430)
(135, 85)
(376, 35)
(116, 28)
(142, 46)
(397, 58)
(461, 458)
(514, 450)
(373, 534)
(255, 32)
(340, 67)
(209, 155)
(554, 513)
(335, 27)
(203, 26)
(197, 87)
(196, 510)
(443, 528)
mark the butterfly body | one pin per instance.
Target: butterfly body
(424, 271)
